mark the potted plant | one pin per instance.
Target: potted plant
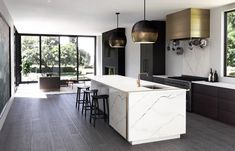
(26, 65)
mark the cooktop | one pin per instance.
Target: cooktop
(189, 78)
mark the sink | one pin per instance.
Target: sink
(152, 87)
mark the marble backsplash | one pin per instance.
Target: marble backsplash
(192, 62)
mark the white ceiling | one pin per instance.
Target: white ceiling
(92, 17)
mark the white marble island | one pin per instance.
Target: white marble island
(142, 114)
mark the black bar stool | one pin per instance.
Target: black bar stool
(95, 112)
(87, 99)
(78, 97)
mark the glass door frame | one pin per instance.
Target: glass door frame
(59, 36)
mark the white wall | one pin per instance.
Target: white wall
(132, 56)
(217, 38)
(99, 55)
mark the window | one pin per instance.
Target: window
(50, 55)
(70, 57)
(30, 58)
(229, 68)
(86, 46)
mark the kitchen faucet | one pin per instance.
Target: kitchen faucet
(138, 81)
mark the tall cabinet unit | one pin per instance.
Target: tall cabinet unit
(113, 59)
(152, 56)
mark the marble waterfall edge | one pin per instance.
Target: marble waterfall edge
(142, 115)
(156, 116)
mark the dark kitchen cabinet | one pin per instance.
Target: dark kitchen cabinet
(214, 102)
(226, 106)
(113, 59)
(152, 56)
(205, 100)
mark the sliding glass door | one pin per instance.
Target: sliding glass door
(86, 47)
(50, 55)
(30, 58)
(70, 57)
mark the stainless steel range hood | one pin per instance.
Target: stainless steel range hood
(191, 23)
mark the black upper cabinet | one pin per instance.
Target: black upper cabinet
(113, 59)
(152, 56)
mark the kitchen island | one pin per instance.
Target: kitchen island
(149, 113)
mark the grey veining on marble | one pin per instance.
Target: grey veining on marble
(141, 115)
(195, 62)
(118, 110)
(151, 107)
(164, 113)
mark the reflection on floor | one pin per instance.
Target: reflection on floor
(54, 124)
(32, 90)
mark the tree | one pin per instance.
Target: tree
(84, 58)
(50, 53)
(30, 51)
(231, 39)
(68, 56)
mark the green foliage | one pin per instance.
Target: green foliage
(84, 58)
(68, 54)
(30, 50)
(231, 39)
(68, 69)
(50, 54)
(26, 65)
(232, 74)
(231, 58)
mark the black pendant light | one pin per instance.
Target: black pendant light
(144, 31)
(118, 38)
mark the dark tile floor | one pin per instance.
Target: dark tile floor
(54, 124)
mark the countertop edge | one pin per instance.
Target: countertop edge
(170, 88)
(216, 84)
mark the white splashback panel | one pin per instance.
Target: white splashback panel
(192, 62)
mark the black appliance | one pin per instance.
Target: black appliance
(184, 82)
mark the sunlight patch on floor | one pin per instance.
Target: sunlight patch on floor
(32, 91)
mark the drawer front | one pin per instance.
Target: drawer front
(204, 89)
(205, 105)
(226, 105)
(227, 94)
(226, 117)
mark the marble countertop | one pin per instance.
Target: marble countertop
(128, 84)
(217, 84)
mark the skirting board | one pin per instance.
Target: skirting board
(5, 111)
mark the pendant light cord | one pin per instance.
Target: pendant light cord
(144, 9)
(117, 18)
